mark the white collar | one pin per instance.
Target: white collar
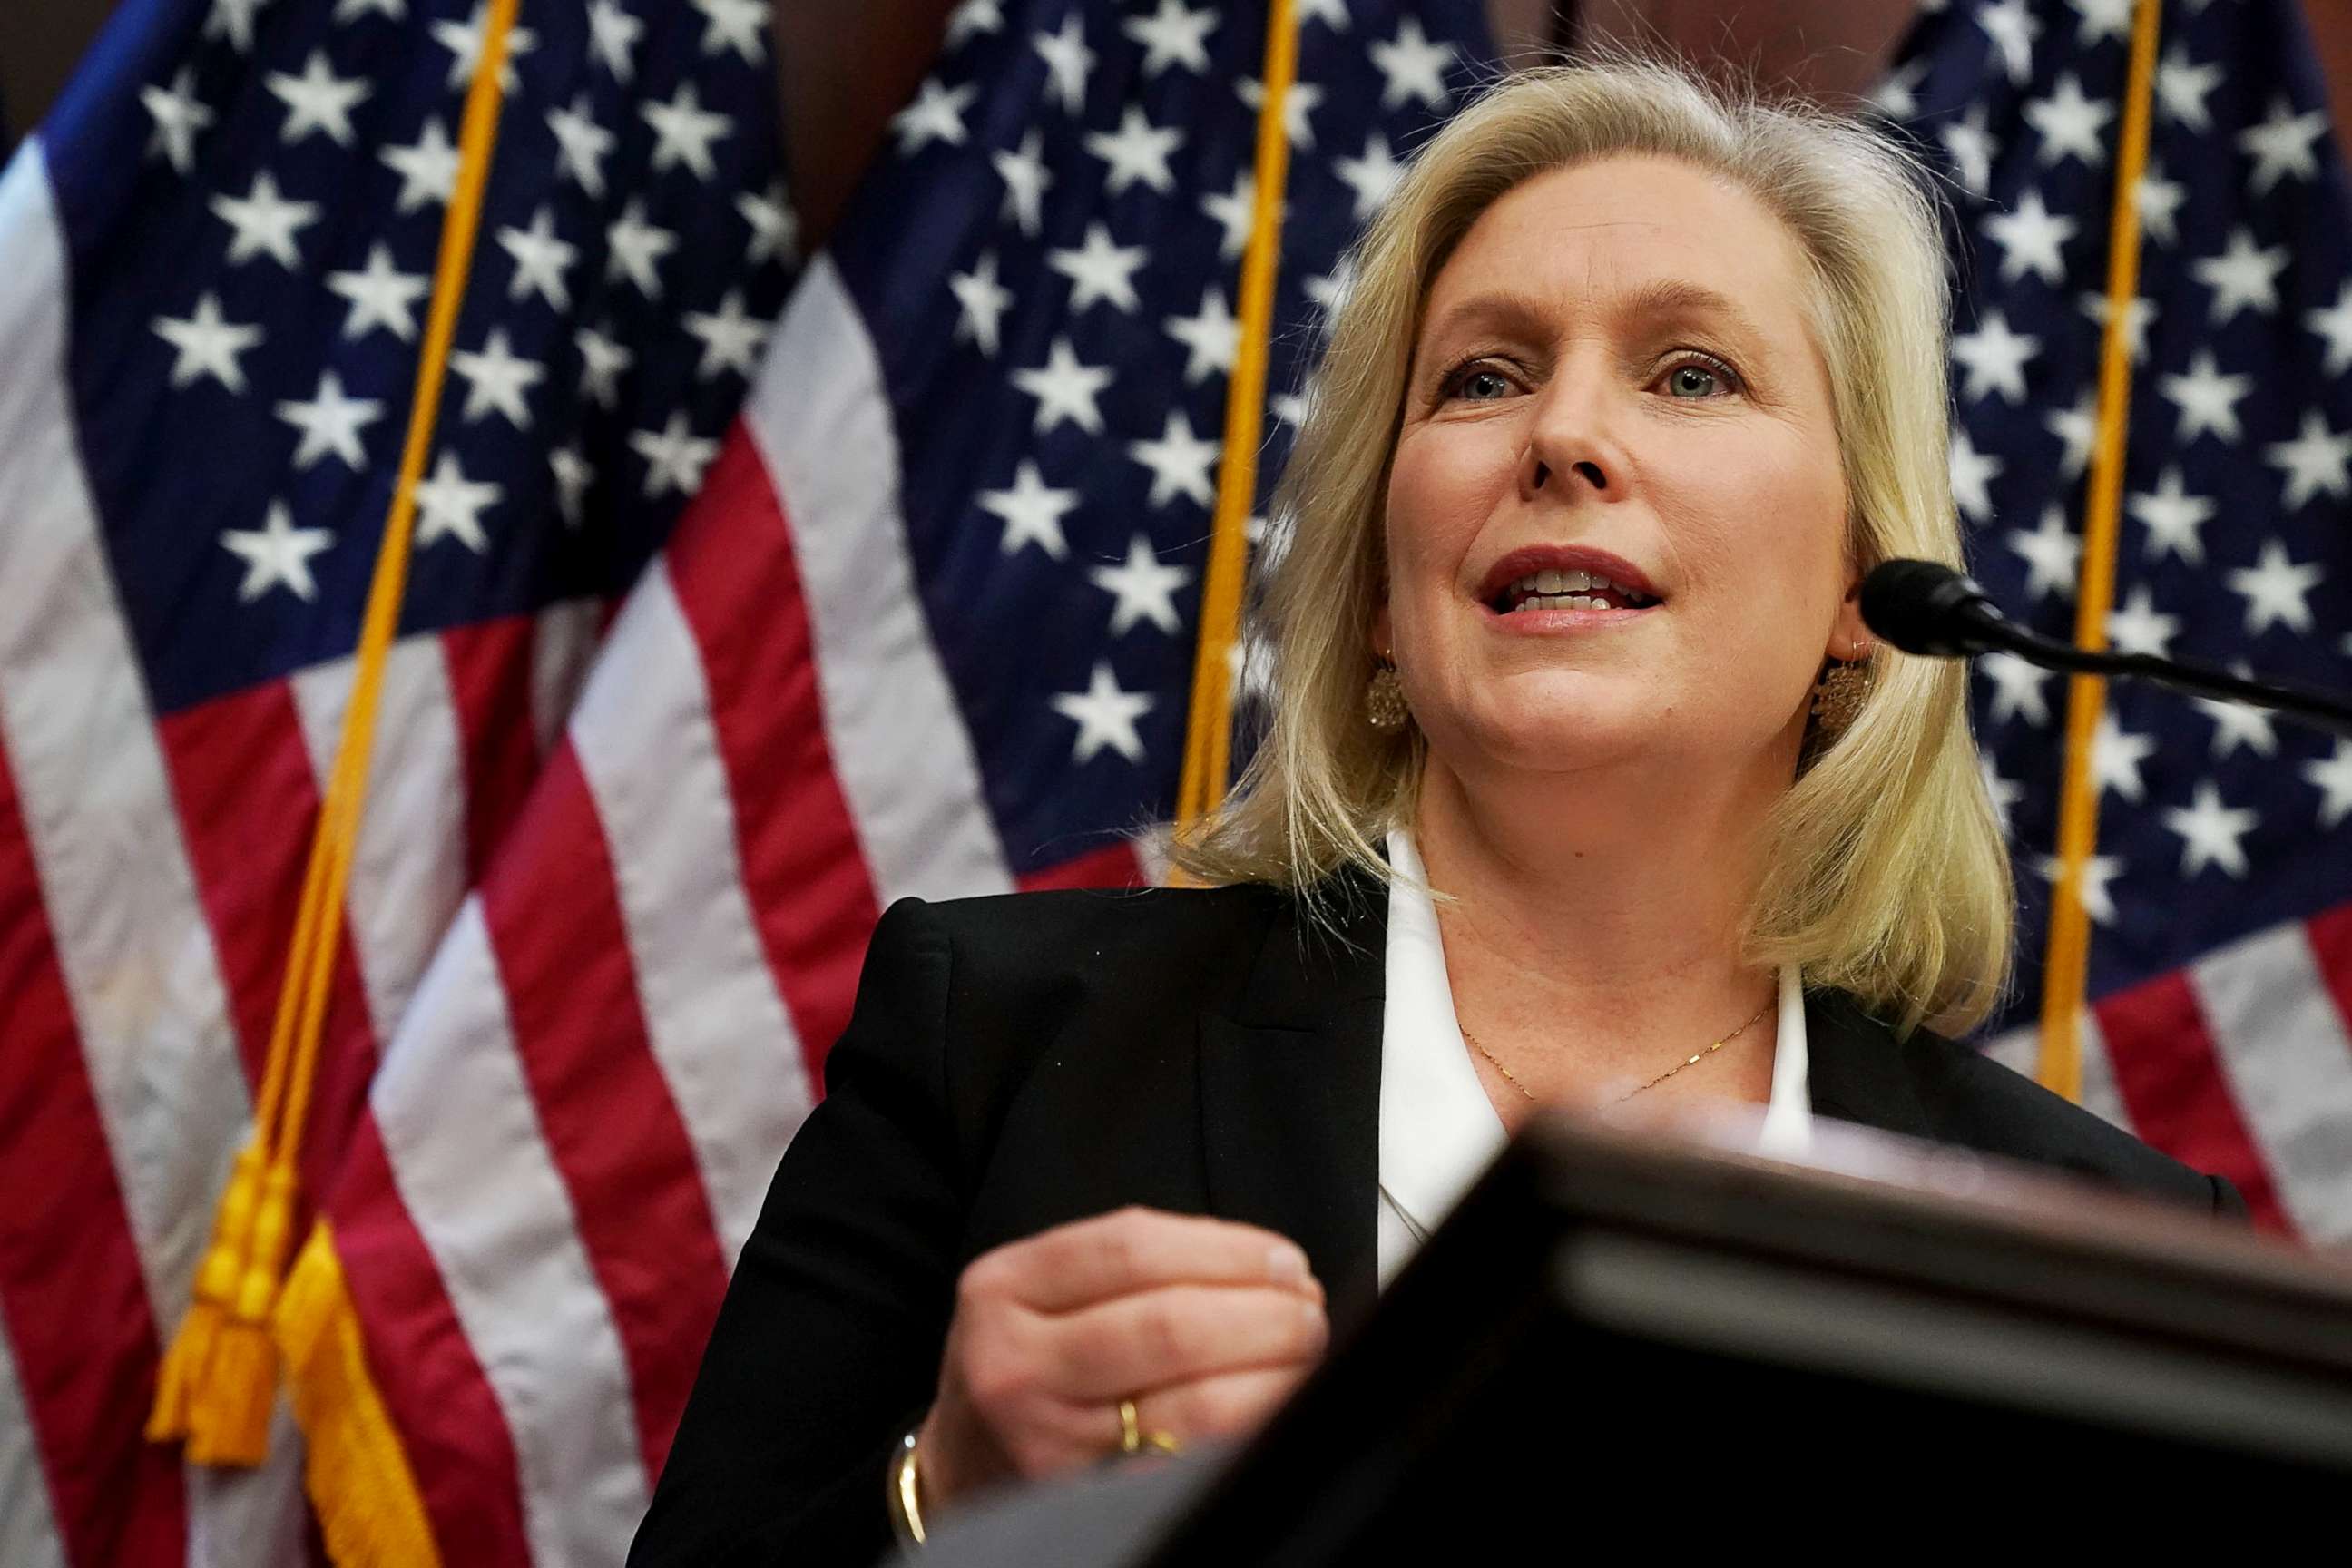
(1438, 1129)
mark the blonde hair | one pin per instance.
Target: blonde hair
(1885, 874)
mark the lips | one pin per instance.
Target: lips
(1543, 569)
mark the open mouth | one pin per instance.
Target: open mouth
(1555, 590)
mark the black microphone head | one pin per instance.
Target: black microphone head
(1924, 608)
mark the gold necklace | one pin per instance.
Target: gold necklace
(1689, 1061)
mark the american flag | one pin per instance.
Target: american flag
(2220, 1002)
(923, 628)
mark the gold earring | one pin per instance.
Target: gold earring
(1385, 709)
(1843, 688)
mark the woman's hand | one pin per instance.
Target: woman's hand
(1206, 1324)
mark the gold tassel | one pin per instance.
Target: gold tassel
(228, 1414)
(187, 1361)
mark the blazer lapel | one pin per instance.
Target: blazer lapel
(1290, 1095)
(1857, 1067)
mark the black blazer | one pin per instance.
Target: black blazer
(1016, 1062)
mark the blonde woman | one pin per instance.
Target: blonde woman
(1584, 782)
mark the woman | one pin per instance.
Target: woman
(1585, 781)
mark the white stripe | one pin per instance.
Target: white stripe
(716, 1022)
(462, 1132)
(2281, 1046)
(28, 1525)
(130, 936)
(563, 646)
(821, 418)
(2019, 1049)
(244, 1519)
(408, 869)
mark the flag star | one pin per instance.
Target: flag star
(496, 380)
(1105, 715)
(330, 423)
(2241, 276)
(2172, 518)
(2207, 399)
(1068, 61)
(974, 17)
(2181, 89)
(207, 344)
(1973, 476)
(264, 223)
(1288, 408)
(2017, 687)
(1411, 67)
(276, 556)
(2276, 589)
(1145, 590)
(178, 115)
(573, 475)
(1180, 461)
(1212, 338)
(2098, 872)
(580, 145)
(981, 303)
(1174, 35)
(683, 133)
(2001, 792)
(1371, 176)
(638, 247)
(1032, 513)
(1234, 213)
(539, 259)
(1299, 105)
(317, 100)
(2282, 145)
(734, 25)
(936, 115)
(1334, 12)
(1025, 181)
(602, 363)
(1065, 389)
(731, 338)
(1329, 292)
(775, 234)
(2140, 627)
(1099, 270)
(464, 42)
(2137, 321)
(2115, 759)
(450, 506)
(2333, 326)
(1995, 358)
(351, 10)
(2030, 239)
(1971, 147)
(612, 33)
(2012, 27)
(2210, 830)
(2236, 724)
(1896, 96)
(675, 457)
(381, 295)
(2314, 462)
(2333, 776)
(427, 168)
(2070, 123)
(1138, 150)
(233, 19)
(2098, 19)
(2074, 428)
(2053, 554)
(2159, 204)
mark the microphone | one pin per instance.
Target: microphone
(1924, 608)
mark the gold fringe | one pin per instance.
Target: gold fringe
(228, 1410)
(188, 1360)
(369, 1506)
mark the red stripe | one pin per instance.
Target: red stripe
(611, 1125)
(1112, 865)
(491, 676)
(2173, 1091)
(433, 1388)
(732, 566)
(71, 1295)
(2330, 936)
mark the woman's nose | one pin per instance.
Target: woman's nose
(1568, 444)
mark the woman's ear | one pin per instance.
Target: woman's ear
(1850, 636)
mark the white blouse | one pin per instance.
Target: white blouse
(1438, 1130)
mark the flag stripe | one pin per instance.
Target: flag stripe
(28, 1526)
(2257, 993)
(564, 639)
(462, 1132)
(899, 743)
(494, 673)
(70, 1292)
(2165, 1073)
(714, 1018)
(607, 1115)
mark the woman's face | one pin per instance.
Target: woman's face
(1615, 377)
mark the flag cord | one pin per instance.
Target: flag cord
(1208, 736)
(218, 1385)
(2065, 973)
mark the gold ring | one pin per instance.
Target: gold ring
(1134, 1439)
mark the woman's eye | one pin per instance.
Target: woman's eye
(1691, 379)
(1470, 376)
